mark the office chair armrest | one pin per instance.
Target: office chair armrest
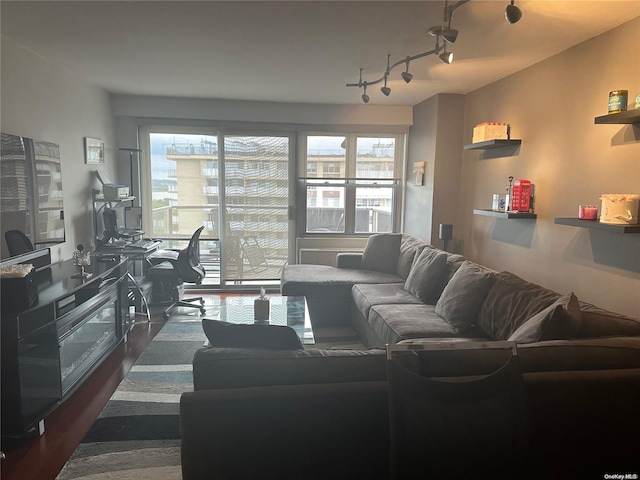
(164, 255)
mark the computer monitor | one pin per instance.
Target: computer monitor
(110, 225)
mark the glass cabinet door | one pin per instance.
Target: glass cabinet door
(83, 344)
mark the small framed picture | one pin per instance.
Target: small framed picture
(93, 151)
(418, 172)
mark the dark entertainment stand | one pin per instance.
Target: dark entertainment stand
(50, 348)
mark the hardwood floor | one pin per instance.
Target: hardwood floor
(42, 458)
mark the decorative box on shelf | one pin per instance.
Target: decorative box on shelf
(491, 131)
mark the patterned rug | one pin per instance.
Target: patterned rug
(137, 435)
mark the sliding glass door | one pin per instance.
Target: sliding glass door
(237, 186)
(255, 222)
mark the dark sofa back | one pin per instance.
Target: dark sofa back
(311, 432)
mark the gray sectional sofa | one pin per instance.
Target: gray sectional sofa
(312, 413)
(396, 292)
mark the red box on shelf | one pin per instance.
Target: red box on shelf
(521, 196)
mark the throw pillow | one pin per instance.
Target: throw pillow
(273, 337)
(426, 277)
(511, 302)
(559, 321)
(381, 253)
(410, 248)
(462, 298)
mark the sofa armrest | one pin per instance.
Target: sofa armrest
(348, 260)
(298, 431)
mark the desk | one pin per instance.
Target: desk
(130, 250)
(134, 255)
(50, 348)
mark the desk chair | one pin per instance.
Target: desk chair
(17, 242)
(171, 268)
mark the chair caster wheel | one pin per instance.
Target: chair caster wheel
(203, 311)
(165, 315)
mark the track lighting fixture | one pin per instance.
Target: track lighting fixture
(449, 34)
(406, 76)
(446, 57)
(444, 31)
(386, 90)
(365, 97)
(512, 13)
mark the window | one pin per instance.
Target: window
(351, 183)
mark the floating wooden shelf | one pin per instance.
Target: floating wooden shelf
(629, 116)
(596, 225)
(489, 144)
(507, 215)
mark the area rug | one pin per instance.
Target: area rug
(137, 435)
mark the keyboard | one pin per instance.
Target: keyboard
(130, 232)
(144, 244)
(115, 244)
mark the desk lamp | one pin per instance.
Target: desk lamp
(446, 234)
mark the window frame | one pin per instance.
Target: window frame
(350, 182)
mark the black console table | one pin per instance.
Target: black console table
(50, 348)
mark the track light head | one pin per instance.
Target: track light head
(386, 90)
(512, 13)
(446, 57)
(448, 33)
(406, 76)
(435, 31)
(365, 97)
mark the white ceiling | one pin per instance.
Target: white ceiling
(296, 51)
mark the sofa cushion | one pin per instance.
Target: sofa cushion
(462, 298)
(410, 247)
(367, 295)
(511, 302)
(394, 323)
(559, 321)
(313, 279)
(275, 337)
(381, 253)
(597, 322)
(426, 278)
(242, 367)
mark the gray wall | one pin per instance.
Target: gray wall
(551, 106)
(436, 138)
(44, 102)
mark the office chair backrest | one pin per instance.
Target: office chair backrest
(17, 242)
(189, 266)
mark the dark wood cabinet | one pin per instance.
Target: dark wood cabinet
(51, 347)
